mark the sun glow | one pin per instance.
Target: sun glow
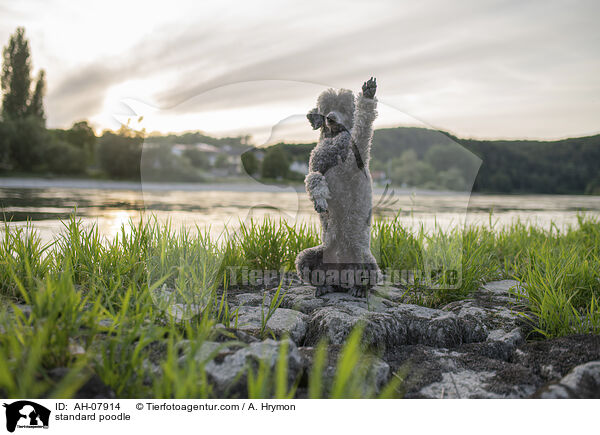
(268, 120)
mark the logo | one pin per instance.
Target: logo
(26, 414)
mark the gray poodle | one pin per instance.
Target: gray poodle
(339, 185)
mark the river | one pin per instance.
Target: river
(46, 203)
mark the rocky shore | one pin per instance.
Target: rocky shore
(481, 347)
(475, 348)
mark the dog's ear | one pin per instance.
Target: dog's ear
(315, 118)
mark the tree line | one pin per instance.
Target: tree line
(431, 159)
(566, 166)
(27, 146)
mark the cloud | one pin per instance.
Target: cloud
(501, 68)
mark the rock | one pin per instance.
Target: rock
(554, 358)
(501, 343)
(252, 299)
(23, 308)
(229, 374)
(465, 384)
(481, 310)
(481, 369)
(429, 326)
(432, 371)
(379, 371)
(283, 321)
(207, 351)
(387, 327)
(105, 323)
(178, 305)
(391, 293)
(181, 312)
(511, 338)
(372, 303)
(333, 324)
(501, 288)
(151, 372)
(225, 335)
(75, 348)
(302, 299)
(583, 382)
(374, 372)
(470, 348)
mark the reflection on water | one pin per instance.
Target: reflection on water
(111, 204)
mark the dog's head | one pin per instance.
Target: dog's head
(334, 112)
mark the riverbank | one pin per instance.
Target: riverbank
(156, 312)
(232, 184)
(240, 184)
(110, 204)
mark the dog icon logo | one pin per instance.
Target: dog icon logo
(26, 414)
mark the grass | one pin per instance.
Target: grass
(100, 308)
(276, 301)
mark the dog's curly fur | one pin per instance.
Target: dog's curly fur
(339, 184)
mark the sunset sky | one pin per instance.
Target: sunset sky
(488, 69)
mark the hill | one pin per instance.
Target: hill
(420, 157)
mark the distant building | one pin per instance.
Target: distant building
(380, 178)
(300, 167)
(179, 149)
(226, 153)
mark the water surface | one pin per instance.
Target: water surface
(109, 204)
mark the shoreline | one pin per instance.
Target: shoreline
(237, 185)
